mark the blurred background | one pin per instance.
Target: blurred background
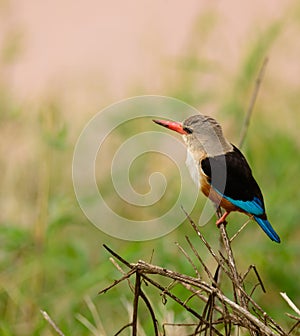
(60, 63)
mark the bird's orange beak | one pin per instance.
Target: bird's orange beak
(172, 125)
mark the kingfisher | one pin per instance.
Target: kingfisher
(220, 170)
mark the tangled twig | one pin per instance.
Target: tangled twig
(220, 314)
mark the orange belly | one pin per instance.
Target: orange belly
(216, 198)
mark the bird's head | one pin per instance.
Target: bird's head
(200, 133)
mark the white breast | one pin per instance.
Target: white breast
(192, 165)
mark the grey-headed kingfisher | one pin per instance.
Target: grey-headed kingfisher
(220, 170)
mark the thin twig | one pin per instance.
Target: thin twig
(189, 259)
(151, 311)
(240, 230)
(232, 266)
(51, 322)
(296, 325)
(252, 102)
(239, 315)
(297, 318)
(136, 303)
(275, 325)
(151, 269)
(126, 276)
(123, 328)
(197, 292)
(211, 251)
(118, 267)
(207, 271)
(253, 267)
(175, 325)
(237, 284)
(172, 296)
(290, 303)
(117, 256)
(176, 299)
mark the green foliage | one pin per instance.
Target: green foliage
(243, 84)
(51, 257)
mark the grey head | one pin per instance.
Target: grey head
(205, 135)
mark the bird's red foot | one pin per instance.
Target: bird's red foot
(222, 219)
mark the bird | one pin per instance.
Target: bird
(220, 170)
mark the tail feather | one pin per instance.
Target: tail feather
(267, 227)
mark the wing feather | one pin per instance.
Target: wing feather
(231, 176)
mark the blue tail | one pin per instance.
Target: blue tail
(267, 227)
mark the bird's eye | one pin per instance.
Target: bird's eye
(187, 130)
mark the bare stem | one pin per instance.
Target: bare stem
(252, 102)
(217, 308)
(51, 322)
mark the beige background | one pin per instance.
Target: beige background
(109, 45)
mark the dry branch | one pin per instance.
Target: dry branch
(252, 102)
(220, 315)
(51, 322)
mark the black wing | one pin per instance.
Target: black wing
(231, 176)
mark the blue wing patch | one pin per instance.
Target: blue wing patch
(254, 207)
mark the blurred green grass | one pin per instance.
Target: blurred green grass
(52, 257)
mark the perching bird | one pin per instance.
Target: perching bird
(221, 170)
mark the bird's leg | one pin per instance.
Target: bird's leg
(218, 211)
(222, 219)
